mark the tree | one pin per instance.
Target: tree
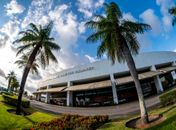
(172, 11)
(22, 62)
(36, 39)
(14, 84)
(25, 93)
(118, 40)
(10, 77)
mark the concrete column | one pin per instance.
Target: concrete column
(38, 96)
(174, 63)
(114, 90)
(157, 80)
(173, 73)
(69, 95)
(47, 100)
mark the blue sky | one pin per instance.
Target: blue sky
(69, 17)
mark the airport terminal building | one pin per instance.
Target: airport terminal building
(103, 83)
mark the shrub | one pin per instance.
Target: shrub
(31, 97)
(72, 122)
(168, 98)
(8, 93)
(12, 100)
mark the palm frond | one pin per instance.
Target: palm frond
(52, 45)
(34, 28)
(135, 27)
(133, 43)
(49, 55)
(113, 11)
(172, 11)
(97, 36)
(23, 48)
(42, 59)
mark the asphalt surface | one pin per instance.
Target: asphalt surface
(117, 111)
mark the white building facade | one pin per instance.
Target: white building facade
(103, 83)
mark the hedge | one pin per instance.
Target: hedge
(7, 93)
(72, 122)
(12, 100)
(168, 98)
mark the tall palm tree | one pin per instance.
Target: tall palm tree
(23, 61)
(118, 40)
(36, 39)
(11, 76)
(172, 11)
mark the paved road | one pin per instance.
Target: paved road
(121, 110)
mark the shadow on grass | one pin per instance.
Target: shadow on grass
(169, 109)
(30, 120)
(167, 122)
(29, 110)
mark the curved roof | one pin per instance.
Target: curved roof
(105, 67)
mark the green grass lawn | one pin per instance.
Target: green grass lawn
(169, 124)
(10, 121)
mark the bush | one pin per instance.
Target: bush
(31, 97)
(72, 122)
(12, 100)
(8, 93)
(168, 98)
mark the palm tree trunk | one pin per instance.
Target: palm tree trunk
(8, 89)
(133, 71)
(24, 77)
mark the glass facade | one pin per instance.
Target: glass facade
(127, 92)
(98, 97)
(58, 98)
(167, 80)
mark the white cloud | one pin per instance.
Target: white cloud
(37, 13)
(65, 26)
(87, 7)
(166, 19)
(10, 29)
(99, 3)
(149, 17)
(82, 27)
(66, 31)
(3, 40)
(91, 59)
(14, 8)
(129, 16)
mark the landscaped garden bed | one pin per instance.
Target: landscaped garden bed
(72, 122)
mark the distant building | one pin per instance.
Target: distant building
(101, 83)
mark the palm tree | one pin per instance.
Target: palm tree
(118, 40)
(36, 39)
(172, 11)
(11, 76)
(14, 84)
(23, 61)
